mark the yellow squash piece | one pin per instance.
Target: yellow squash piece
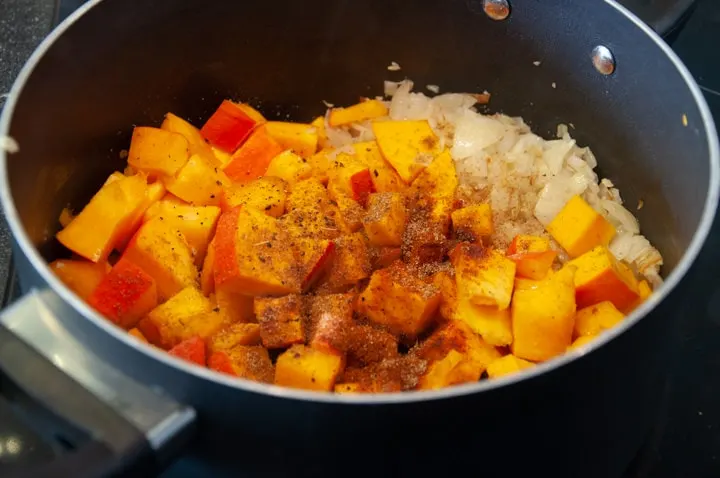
(385, 219)
(383, 175)
(289, 167)
(484, 276)
(265, 194)
(307, 368)
(601, 277)
(198, 182)
(578, 228)
(543, 316)
(491, 323)
(582, 341)
(507, 365)
(157, 152)
(596, 318)
(364, 111)
(299, 137)
(196, 142)
(474, 221)
(236, 334)
(409, 146)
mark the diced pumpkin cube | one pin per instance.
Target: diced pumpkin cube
(382, 257)
(534, 265)
(185, 315)
(108, 219)
(319, 124)
(448, 294)
(360, 112)
(125, 294)
(299, 137)
(351, 213)
(473, 222)
(221, 156)
(198, 182)
(596, 318)
(320, 165)
(234, 307)
(645, 291)
(233, 335)
(252, 159)
(601, 277)
(228, 127)
(485, 276)
(197, 224)
(165, 255)
(315, 258)
(307, 368)
(366, 344)
(384, 177)
(350, 177)
(400, 301)
(456, 335)
(386, 219)
(251, 362)
(135, 332)
(157, 152)
(523, 243)
(543, 316)
(425, 236)
(438, 180)
(207, 276)
(252, 113)
(192, 350)
(351, 263)
(348, 388)
(265, 194)
(453, 369)
(196, 142)
(582, 341)
(281, 322)
(252, 256)
(492, 324)
(331, 316)
(82, 277)
(409, 146)
(289, 167)
(507, 365)
(578, 228)
(307, 194)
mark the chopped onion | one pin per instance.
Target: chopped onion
(621, 218)
(473, 133)
(556, 193)
(556, 151)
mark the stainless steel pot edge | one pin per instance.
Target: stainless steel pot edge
(395, 398)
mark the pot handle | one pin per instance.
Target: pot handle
(65, 412)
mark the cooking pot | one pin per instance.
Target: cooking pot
(112, 405)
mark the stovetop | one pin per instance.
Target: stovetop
(686, 439)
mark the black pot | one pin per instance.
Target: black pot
(118, 63)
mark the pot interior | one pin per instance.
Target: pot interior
(129, 62)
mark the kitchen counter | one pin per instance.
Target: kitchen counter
(686, 441)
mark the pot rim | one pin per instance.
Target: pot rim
(671, 281)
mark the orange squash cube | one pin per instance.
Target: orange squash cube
(165, 255)
(197, 224)
(398, 300)
(315, 258)
(491, 323)
(543, 316)
(108, 219)
(229, 126)
(645, 291)
(198, 183)
(581, 341)
(409, 146)
(384, 177)
(485, 276)
(507, 365)
(358, 113)
(300, 138)
(125, 294)
(183, 316)
(532, 255)
(578, 228)
(351, 213)
(330, 319)
(252, 159)
(281, 322)
(234, 307)
(207, 276)
(456, 335)
(348, 388)
(309, 194)
(596, 318)
(289, 167)
(250, 362)
(453, 369)
(386, 219)
(265, 194)
(307, 368)
(523, 243)
(135, 332)
(82, 277)
(196, 142)
(192, 350)
(251, 255)
(350, 264)
(600, 277)
(319, 124)
(233, 335)
(157, 152)
(252, 113)
(438, 180)
(473, 222)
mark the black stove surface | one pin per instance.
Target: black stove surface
(686, 439)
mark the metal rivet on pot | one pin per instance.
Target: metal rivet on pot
(496, 9)
(603, 60)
